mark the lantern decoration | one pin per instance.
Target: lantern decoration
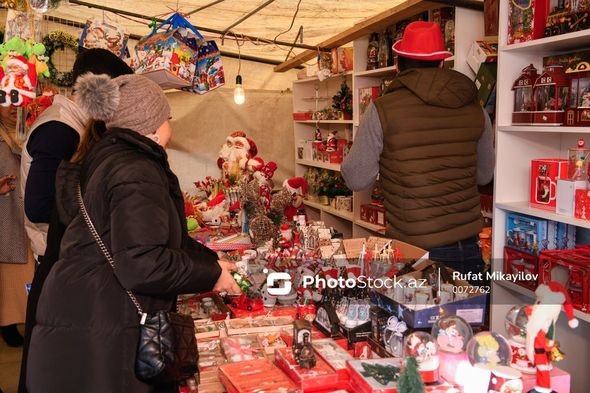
(578, 113)
(422, 346)
(524, 102)
(577, 167)
(515, 325)
(551, 96)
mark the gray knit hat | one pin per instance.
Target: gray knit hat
(129, 101)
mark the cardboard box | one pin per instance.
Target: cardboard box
(472, 309)
(258, 325)
(334, 355)
(356, 334)
(254, 376)
(342, 60)
(566, 236)
(565, 195)
(544, 175)
(582, 210)
(482, 52)
(321, 377)
(530, 234)
(409, 253)
(367, 95)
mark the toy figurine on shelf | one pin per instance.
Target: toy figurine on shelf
(540, 330)
(302, 349)
(331, 143)
(578, 113)
(297, 187)
(551, 96)
(524, 102)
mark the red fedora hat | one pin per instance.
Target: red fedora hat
(422, 41)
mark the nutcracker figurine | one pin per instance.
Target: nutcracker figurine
(540, 330)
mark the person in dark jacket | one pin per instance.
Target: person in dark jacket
(431, 143)
(87, 328)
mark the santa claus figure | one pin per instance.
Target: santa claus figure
(18, 83)
(264, 177)
(297, 186)
(286, 236)
(540, 328)
(331, 143)
(235, 155)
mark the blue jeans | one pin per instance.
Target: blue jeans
(463, 256)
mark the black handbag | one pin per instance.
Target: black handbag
(167, 350)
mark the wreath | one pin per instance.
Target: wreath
(59, 40)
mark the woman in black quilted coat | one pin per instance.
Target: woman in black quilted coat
(87, 328)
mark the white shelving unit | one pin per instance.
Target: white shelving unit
(516, 146)
(468, 28)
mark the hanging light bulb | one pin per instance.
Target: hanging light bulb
(239, 93)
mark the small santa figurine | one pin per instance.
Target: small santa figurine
(264, 177)
(331, 143)
(18, 83)
(236, 154)
(297, 186)
(286, 236)
(540, 329)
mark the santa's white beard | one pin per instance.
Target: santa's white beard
(542, 317)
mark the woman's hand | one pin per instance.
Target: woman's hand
(225, 282)
(6, 184)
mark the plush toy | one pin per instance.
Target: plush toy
(18, 82)
(264, 177)
(331, 143)
(38, 58)
(540, 329)
(297, 186)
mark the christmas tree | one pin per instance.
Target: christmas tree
(410, 380)
(342, 101)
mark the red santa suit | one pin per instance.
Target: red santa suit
(298, 188)
(540, 339)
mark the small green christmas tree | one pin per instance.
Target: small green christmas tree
(342, 101)
(410, 380)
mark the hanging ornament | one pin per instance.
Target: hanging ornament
(41, 6)
(59, 40)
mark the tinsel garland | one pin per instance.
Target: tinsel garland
(59, 40)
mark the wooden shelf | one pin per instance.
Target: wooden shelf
(570, 130)
(559, 43)
(315, 78)
(325, 208)
(582, 316)
(319, 164)
(324, 121)
(372, 227)
(380, 72)
(524, 208)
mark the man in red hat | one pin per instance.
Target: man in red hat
(425, 138)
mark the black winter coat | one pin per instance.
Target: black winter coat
(87, 327)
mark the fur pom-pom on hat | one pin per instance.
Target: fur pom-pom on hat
(98, 96)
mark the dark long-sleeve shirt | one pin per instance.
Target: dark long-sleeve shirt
(49, 144)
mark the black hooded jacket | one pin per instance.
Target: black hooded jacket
(87, 328)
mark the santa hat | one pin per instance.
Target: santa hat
(285, 227)
(269, 169)
(20, 61)
(296, 185)
(553, 292)
(255, 164)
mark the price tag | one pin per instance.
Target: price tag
(471, 315)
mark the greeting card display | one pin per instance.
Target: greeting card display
(106, 35)
(526, 20)
(544, 175)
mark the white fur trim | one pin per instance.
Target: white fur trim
(244, 141)
(573, 323)
(544, 367)
(407, 54)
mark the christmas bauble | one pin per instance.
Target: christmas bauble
(515, 324)
(489, 350)
(452, 333)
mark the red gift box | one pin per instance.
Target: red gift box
(522, 264)
(319, 378)
(582, 209)
(544, 175)
(254, 376)
(575, 263)
(368, 214)
(535, 13)
(302, 116)
(335, 157)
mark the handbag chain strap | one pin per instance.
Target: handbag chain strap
(105, 251)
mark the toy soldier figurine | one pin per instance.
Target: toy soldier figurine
(306, 355)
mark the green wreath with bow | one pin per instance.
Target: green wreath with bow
(59, 40)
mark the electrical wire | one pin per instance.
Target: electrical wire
(292, 22)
